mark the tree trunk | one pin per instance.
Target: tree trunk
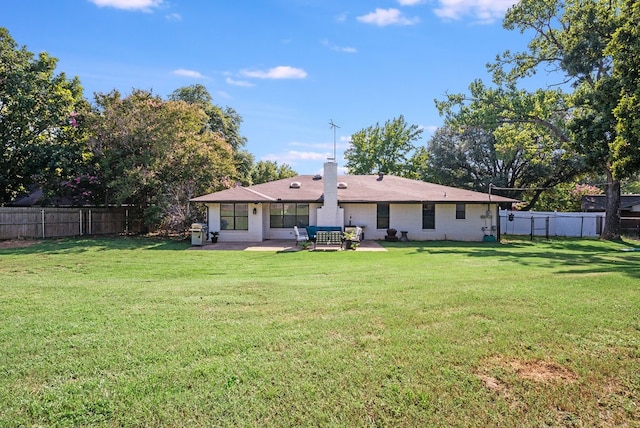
(611, 229)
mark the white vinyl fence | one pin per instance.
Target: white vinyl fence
(537, 223)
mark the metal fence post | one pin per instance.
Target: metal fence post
(546, 228)
(533, 222)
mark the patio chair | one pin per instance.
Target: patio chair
(300, 237)
(358, 232)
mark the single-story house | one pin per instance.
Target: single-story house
(417, 209)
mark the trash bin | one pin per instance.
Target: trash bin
(199, 233)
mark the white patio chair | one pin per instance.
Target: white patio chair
(300, 237)
(358, 232)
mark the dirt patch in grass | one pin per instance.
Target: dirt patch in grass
(16, 243)
(542, 371)
(533, 370)
(611, 403)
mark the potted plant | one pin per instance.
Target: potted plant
(305, 245)
(349, 241)
(214, 237)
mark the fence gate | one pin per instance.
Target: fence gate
(538, 227)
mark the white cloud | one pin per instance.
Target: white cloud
(342, 17)
(410, 2)
(242, 83)
(343, 143)
(384, 17)
(280, 72)
(484, 11)
(188, 73)
(174, 17)
(292, 156)
(143, 5)
(343, 49)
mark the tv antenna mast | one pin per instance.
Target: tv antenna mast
(334, 126)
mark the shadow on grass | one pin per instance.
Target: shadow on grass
(571, 256)
(80, 245)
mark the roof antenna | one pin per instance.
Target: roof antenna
(334, 126)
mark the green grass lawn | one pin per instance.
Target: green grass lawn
(142, 332)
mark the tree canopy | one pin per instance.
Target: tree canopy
(624, 48)
(573, 40)
(39, 142)
(224, 121)
(389, 149)
(508, 137)
(156, 154)
(265, 171)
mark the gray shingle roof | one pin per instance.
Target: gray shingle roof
(360, 188)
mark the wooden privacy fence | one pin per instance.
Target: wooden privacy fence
(38, 222)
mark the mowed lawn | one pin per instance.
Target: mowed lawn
(143, 332)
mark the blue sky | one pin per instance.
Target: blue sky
(288, 67)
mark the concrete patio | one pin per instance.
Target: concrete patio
(277, 245)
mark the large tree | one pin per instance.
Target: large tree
(224, 121)
(624, 48)
(157, 154)
(573, 36)
(40, 144)
(389, 149)
(506, 137)
(569, 40)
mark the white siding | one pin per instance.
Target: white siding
(408, 217)
(403, 217)
(363, 215)
(254, 234)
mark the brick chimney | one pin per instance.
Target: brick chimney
(330, 214)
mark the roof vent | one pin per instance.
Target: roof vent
(342, 185)
(294, 185)
(317, 177)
